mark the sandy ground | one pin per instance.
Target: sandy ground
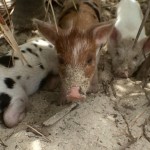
(100, 123)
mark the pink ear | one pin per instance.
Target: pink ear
(146, 46)
(47, 30)
(115, 36)
(101, 33)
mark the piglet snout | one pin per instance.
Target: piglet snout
(123, 73)
(75, 94)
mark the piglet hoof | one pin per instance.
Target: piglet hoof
(12, 121)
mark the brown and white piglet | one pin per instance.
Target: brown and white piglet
(125, 59)
(78, 43)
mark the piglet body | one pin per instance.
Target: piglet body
(18, 81)
(125, 59)
(78, 43)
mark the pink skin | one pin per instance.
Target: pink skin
(125, 59)
(74, 94)
(15, 112)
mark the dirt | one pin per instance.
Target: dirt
(102, 122)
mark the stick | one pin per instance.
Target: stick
(142, 24)
(2, 143)
(10, 38)
(58, 116)
(54, 17)
(38, 132)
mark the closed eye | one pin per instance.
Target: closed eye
(89, 61)
(117, 53)
(135, 58)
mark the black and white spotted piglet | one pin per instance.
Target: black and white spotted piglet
(18, 81)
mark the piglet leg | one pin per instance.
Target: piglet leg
(16, 110)
(52, 83)
(94, 83)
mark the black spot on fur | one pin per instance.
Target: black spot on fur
(29, 66)
(33, 53)
(4, 100)
(35, 45)
(23, 51)
(42, 67)
(18, 77)
(9, 82)
(16, 58)
(40, 49)
(6, 61)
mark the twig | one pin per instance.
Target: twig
(46, 14)
(10, 38)
(2, 143)
(142, 24)
(144, 131)
(6, 8)
(129, 135)
(58, 116)
(74, 4)
(137, 117)
(128, 131)
(38, 132)
(54, 17)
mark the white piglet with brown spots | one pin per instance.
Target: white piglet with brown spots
(18, 81)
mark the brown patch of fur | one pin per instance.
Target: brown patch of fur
(66, 46)
(75, 17)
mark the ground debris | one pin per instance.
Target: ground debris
(58, 116)
(37, 132)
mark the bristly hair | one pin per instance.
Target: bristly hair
(75, 45)
(71, 37)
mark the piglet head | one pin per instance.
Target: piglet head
(77, 52)
(125, 58)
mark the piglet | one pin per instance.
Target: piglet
(18, 81)
(78, 43)
(125, 59)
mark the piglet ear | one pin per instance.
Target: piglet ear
(115, 37)
(47, 30)
(101, 33)
(146, 46)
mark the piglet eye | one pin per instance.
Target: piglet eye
(117, 53)
(89, 61)
(135, 58)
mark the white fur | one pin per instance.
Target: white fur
(26, 86)
(78, 47)
(129, 18)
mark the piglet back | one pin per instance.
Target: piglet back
(129, 18)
